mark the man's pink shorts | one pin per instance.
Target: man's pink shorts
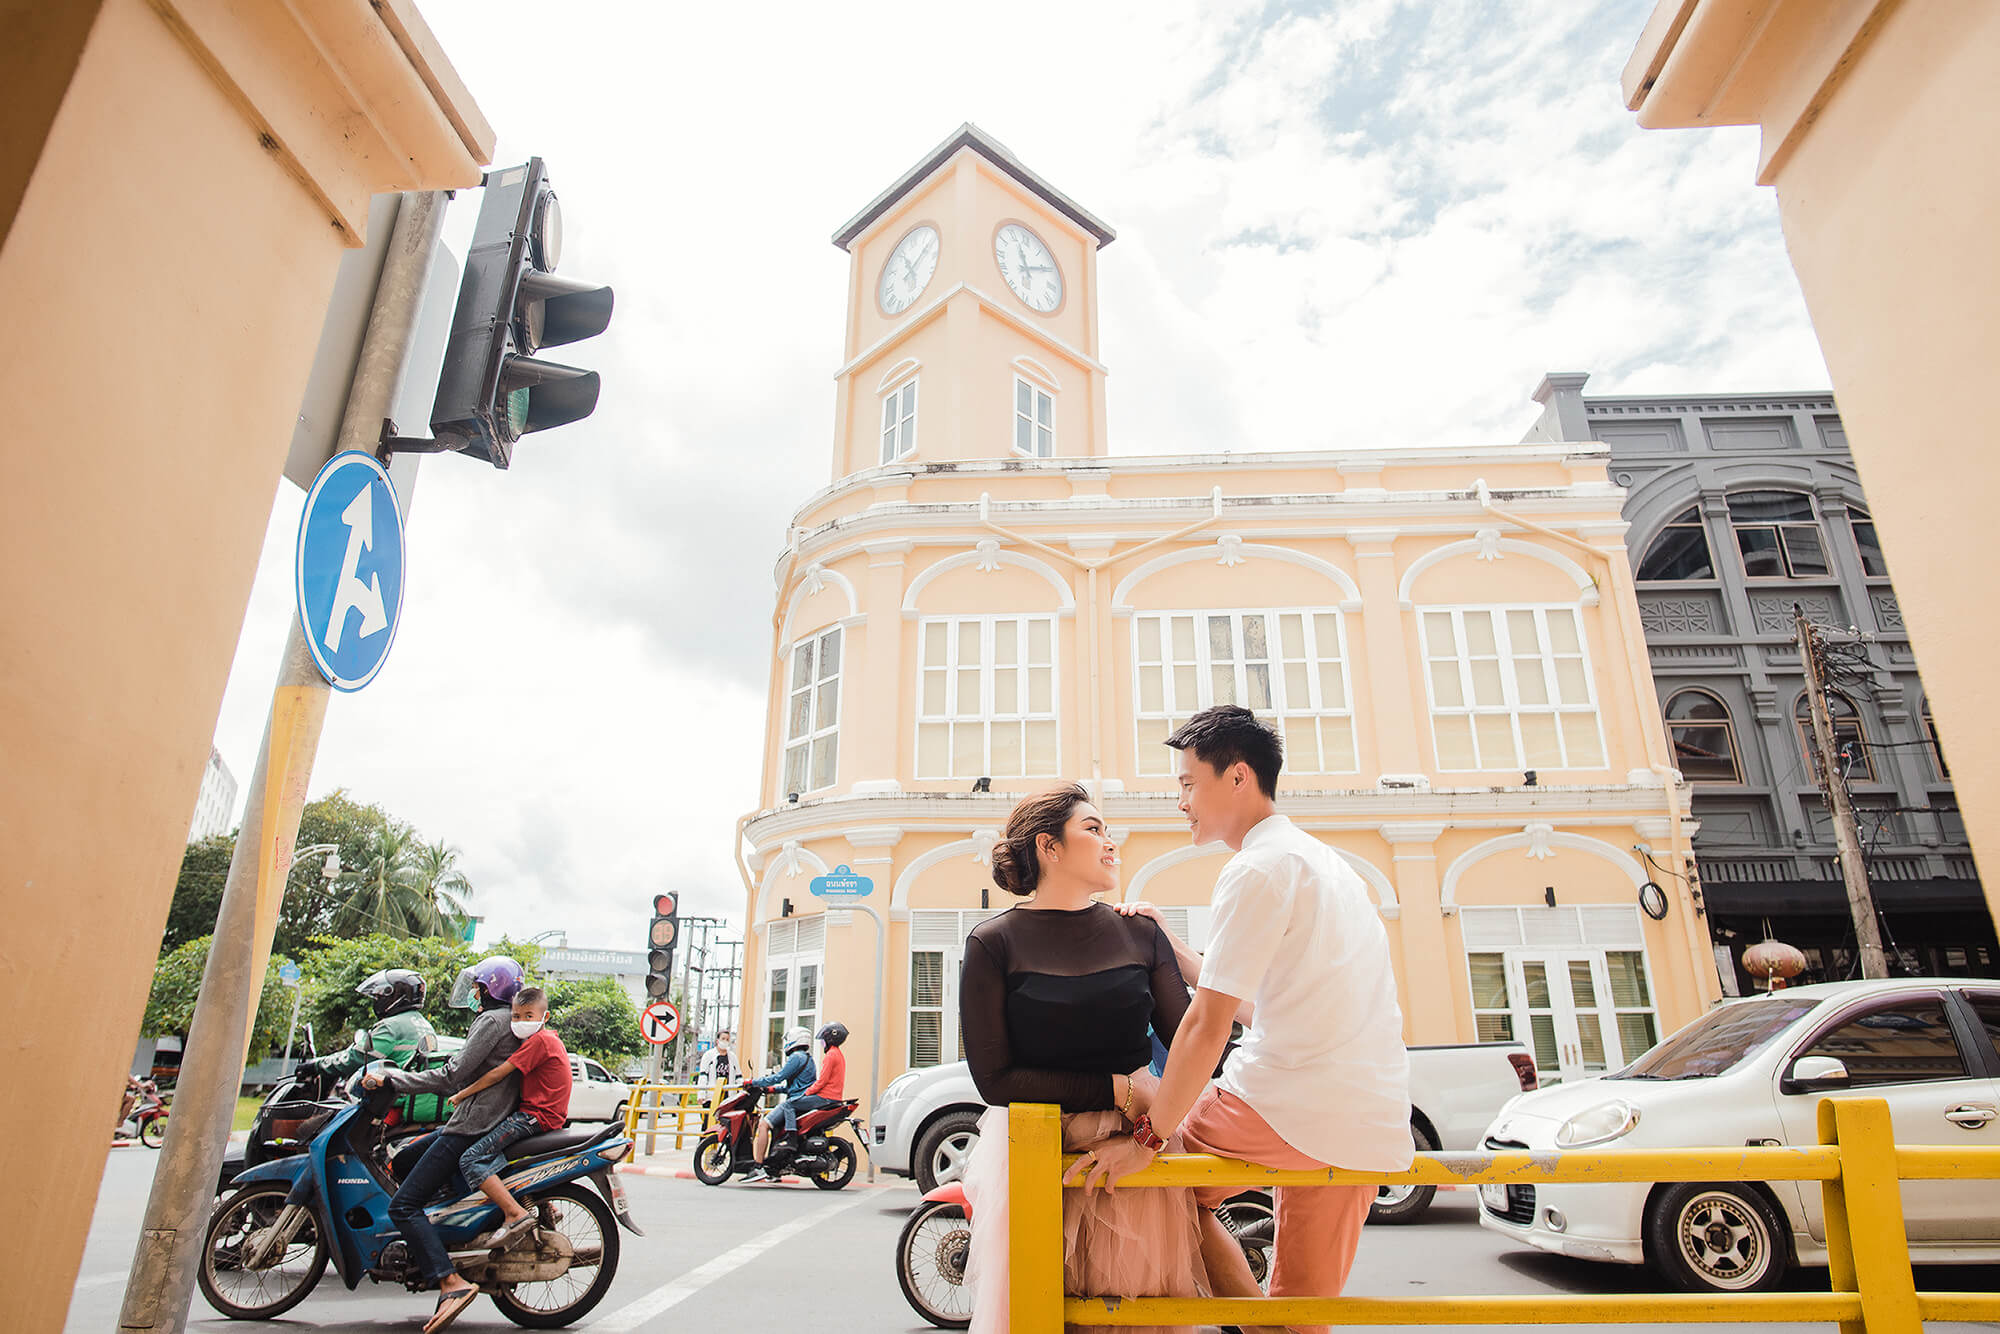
(1319, 1227)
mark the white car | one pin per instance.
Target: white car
(595, 1094)
(1754, 1072)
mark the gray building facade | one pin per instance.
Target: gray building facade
(1742, 505)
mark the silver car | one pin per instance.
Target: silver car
(926, 1123)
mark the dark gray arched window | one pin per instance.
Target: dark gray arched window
(1680, 551)
(1703, 740)
(1778, 534)
(1865, 542)
(1849, 741)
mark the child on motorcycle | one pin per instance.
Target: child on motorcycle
(545, 1087)
(822, 1092)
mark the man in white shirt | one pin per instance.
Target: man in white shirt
(1298, 955)
(717, 1066)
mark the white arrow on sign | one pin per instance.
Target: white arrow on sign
(350, 593)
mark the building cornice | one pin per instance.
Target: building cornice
(995, 153)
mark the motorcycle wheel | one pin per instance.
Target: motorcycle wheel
(581, 1215)
(242, 1294)
(930, 1263)
(841, 1170)
(154, 1132)
(713, 1160)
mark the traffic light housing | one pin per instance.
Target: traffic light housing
(492, 389)
(660, 939)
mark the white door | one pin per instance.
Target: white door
(1903, 1050)
(1563, 1009)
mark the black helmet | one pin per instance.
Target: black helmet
(833, 1034)
(393, 990)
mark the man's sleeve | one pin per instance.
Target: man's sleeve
(1252, 909)
(466, 1065)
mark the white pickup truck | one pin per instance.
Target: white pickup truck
(928, 1120)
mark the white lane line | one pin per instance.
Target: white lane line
(669, 1295)
(100, 1280)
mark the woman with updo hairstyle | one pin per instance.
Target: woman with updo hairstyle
(1058, 999)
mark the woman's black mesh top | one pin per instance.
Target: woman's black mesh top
(1052, 1003)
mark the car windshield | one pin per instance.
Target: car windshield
(1719, 1041)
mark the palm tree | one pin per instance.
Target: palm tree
(443, 887)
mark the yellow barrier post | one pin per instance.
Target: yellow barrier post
(1035, 1214)
(1869, 1251)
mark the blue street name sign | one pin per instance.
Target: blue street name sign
(349, 569)
(289, 974)
(842, 884)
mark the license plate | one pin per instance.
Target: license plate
(1494, 1198)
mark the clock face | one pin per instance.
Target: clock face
(908, 270)
(1028, 267)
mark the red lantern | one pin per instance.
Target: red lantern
(1773, 962)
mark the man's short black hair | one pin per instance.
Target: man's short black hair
(1222, 735)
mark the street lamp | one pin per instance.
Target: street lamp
(331, 869)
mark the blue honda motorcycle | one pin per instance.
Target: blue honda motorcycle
(270, 1237)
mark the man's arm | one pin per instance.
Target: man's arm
(456, 1072)
(1197, 1047)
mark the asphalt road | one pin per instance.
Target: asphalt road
(791, 1258)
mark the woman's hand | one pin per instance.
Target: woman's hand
(1138, 909)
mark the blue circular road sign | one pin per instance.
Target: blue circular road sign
(349, 569)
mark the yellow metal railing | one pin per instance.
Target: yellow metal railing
(1857, 1163)
(650, 1102)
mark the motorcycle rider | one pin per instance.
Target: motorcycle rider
(795, 1076)
(824, 1091)
(488, 986)
(400, 1034)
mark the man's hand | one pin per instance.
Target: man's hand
(1138, 909)
(1108, 1164)
(374, 1079)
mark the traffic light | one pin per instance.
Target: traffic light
(660, 945)
(492, 390)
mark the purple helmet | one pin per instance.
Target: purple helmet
(498, 974)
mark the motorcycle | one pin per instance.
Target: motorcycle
(147, 1121)
(811, 1151)
(932, 1251)
(270, 1237)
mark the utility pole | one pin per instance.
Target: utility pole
(1833, 786)
(163, 1270)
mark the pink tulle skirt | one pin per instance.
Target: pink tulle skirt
(1141, 1242)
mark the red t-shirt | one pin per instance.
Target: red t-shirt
(545, 1078)
(832, 1074)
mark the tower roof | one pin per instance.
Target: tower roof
(971, 136)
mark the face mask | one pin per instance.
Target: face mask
(525, 1029)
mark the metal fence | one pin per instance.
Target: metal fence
(1857, 1163)
(678, 1102)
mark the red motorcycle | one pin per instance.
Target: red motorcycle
(147, 1121)
(812, 1151)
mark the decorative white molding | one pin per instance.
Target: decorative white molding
(791, 859)
(1121, 596)
(907, 366)
(1385, 889)
(983, 841)
(1537, 835)
(1037, 371)
(984, 550)
(1231, 546)
(817, 576)
(886, 836)
(815, 579)
(1402, 834)
(1586, 587)
(1489, 544)
(791, 862)
(1652, 829)
(1594, 847)
(899, 897)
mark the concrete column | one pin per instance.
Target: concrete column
(1395, 699)
(1439, 1004)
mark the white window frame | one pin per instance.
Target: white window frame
(940, 931)
(817, 727)
(1045, 445)
(1511, 706)
(1554, 937)
(899, 421)
(1287, 713)
(985, 712)
(793, 945)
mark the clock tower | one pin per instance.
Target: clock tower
(971, 317)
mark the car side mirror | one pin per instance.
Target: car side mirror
(1812, 1073)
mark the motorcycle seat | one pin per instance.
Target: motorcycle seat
(552, 1141)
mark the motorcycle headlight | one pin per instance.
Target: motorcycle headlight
(899, 1087)
(1599, 1125)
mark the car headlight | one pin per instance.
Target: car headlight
(899, 1086)
(1600, 1124)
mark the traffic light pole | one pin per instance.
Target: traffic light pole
(162, 1278)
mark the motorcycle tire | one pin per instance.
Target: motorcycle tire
(154, 1132)
(573, 1201)
(841, 1162)
(229, 1226)
(714, 1161)
(930, 1263)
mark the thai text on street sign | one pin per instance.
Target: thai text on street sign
(661, 1023)
(289, 974)
(841, 883)
(349, 569)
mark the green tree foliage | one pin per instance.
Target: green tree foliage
(177, 985)
(332, 973)
(400, 888)
(198, 892)
(596, 1018)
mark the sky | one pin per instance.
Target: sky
(1343, 226)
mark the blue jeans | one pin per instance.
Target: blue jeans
(435, 1172)
(784, 1118)
(486, 1157)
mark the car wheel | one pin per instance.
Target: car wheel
(1404, 1203)
(943, 1149)
(1716, 1237)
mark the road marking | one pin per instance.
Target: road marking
(669, 1295)
(100, 1280)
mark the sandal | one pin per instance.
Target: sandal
(450, 1306)
(509, 1235)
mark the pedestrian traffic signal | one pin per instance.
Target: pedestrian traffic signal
(491, 389)
(660, 945)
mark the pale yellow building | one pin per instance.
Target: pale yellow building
(985, 598)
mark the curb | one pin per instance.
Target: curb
(687, 1174)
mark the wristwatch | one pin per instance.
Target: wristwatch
(1142, 1130)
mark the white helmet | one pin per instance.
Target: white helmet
(796, 1038)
